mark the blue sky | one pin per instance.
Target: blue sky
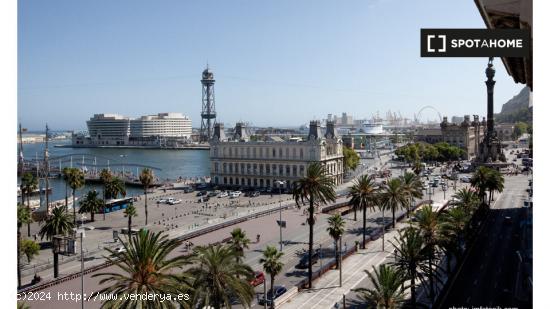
(278, 63)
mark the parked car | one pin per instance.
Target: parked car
(203, 199)
(202, 193)
(255, 194)
(304, 260)
(223, 194)
(162, 201)
(188, 190)
(278, 290)
(465, 179)
(259, 278)
(213, 193)
(234, 194)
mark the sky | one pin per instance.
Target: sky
(276, 63)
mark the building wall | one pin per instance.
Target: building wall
(260, 164)
(505, 131)
(109, 128)
(166, 124)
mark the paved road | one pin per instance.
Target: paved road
(490, 272)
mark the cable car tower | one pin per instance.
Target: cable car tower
(208, 114)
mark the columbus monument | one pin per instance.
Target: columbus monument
(490, 150)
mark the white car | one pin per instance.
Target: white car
(172, 201)
(465, 179)
(234, 194)
(223, 194)
(162, 201)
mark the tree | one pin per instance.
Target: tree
(466, 199)
(336, 229)
(65, 174)
(23, 217)
(480, 181)
(29, 248)
(427, 223)
(364, 194)
(145, 267)
(411, 257)
(58, 223)
(91, 203)
(130, 212)
(29, 183)
(271, 262)
(115, 187)
(451, 226)
(239, 241)
(218, 277)
(146, 178)
(76, 181)
(393, 197)
(495, 183)
(412, 188)
(388, 290)
(317, 187)
(351, 159)
(105, 176)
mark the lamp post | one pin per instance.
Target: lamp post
(123, 156)
(280, 183)
(82, 233)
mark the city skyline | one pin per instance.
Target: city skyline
(313, 60)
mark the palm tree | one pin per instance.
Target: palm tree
(411, 257)
(239, 241)
(146, 268)
(495, 183)
(30, 248)
(105, 176)
(427, 223)
(393, 197)
(412, 187)
(317, 187)
(417, 167)
(146, 178)
(364, 194)
(271, 262)
(218, 277)
(130, 212)
(58, 223)
(388, 290)
(480, 181)
(91, 203)
(23, 217)
(466, 199)
(115, 187)
(76, 181)
(452, 222)
(336, 229)
(29, 183)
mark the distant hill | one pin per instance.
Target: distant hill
(516, 109)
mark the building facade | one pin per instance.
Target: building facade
(109, 129)
(505, 131)
(237, 161)
(163, 124)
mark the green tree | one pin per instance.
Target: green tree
(388, 290)
(145, 267)
(218, 277)
(29, 183)
(317, 187)
(427, 223)
(239, 241)
(411, 257)
(351, 159)
(65, 174)
(130, 212)
(23, 217)
(336, 228)
(115, 187)
(271, 262)
(76, 181)
(412, 188)
(495, 183)
(29, 248)
(364, 194)
(480, 181)
(58, 223)
(451, 226)
(466, 199)
(91, 203)
(392, 197)
(146, 178)
(105, 176)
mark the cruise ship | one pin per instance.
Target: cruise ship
(373, 128)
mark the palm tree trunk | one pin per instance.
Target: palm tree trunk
(272, 297)
(413, 290)
(66, 197)
(364, 227)
(74, 207)
(146, 213)
(55, 264)
(340, 260)
(354, 213)
(310, 253)
(92, 215)
(104, 203)
(393, 217)
(129, 225)
(29, 210)
(18, 258)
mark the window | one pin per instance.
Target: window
(225, 168)
(280, 170)
(274, 153)
(216, 166)
(261, 169)
(294, 170)
(288, 170)
(267, 170)
(301, 153)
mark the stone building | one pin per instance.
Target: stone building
(237, 161)
(505, 131)
(467, 135)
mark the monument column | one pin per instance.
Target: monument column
(490, 73)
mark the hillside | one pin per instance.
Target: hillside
(516, 109)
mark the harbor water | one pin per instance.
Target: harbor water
(166, 164)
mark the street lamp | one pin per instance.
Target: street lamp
(123, 156)
(82, 232)
(280, 183)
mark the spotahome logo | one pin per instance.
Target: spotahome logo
(474, 43)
